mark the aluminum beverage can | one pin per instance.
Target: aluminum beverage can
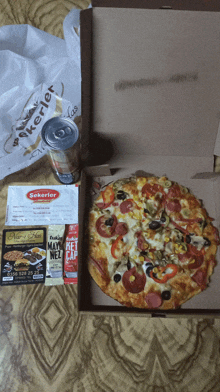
(61, 139)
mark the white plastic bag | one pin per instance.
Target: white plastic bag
(40, 77)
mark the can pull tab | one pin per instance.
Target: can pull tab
(62, 133)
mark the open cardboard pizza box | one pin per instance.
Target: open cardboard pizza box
(151, 103)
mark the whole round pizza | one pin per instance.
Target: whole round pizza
(152, 244)
(13, 255)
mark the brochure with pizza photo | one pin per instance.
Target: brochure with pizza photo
(23, 256)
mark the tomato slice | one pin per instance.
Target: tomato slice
(108, 195)
(164, 276)
(116, 246)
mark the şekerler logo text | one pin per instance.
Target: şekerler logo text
(43, 195)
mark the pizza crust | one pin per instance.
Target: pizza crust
(151, 243)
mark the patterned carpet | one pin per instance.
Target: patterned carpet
(46, 345)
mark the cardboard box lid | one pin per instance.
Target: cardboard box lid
(156, 80)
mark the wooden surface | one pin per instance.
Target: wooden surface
(46, 345)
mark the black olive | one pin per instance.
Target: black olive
(207, 242)
(188, 239)
(154, 225)
(166, 295)
(204, 224)
(146, 211)
(149, 269)
(143, 253)
(109, 222)
(128, 265)
(121, 195)
(163, 219)
(117, 278)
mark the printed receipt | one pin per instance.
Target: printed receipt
(42, 205)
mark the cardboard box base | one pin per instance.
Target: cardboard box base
(91, 298)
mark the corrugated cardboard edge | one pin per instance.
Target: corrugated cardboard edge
(217, 143)
(86, 79)
(187, 5)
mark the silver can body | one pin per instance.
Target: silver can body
(61, 139)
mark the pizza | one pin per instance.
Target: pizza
(152, 244)
(13, 255)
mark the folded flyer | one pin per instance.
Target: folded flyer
(23, 256)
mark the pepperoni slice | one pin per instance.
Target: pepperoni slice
(133, 281)
(200, 278)
(121, 228)
(180, 228)
(174, 191)
(105, 230)
(216, 236)
(97, 264)
(173, 205)
(199, 259)
(141, 243)
(193, 202)
(151, 190)
(153, 300)
(192, 254)
(126, 206)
